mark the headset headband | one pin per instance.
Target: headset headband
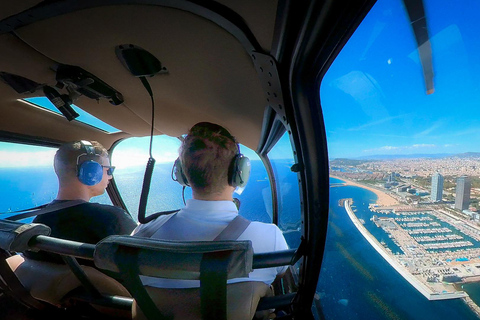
(89, 150)
(87, 145)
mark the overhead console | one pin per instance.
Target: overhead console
(75, 80)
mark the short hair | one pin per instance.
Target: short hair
(206, 155)
(65, 161)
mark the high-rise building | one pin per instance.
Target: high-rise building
(437, 187)
(462, 197)
(391, 177)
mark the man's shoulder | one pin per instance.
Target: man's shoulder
(149, 228)
(264, 225)
(268, 234)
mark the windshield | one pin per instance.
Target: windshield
(130, 158)
(404, 228)
(27, 178)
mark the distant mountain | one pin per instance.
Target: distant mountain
(406, 156)
(347, 162)
(467, 155)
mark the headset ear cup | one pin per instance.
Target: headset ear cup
(90, 173)
(178, 173)
(241, 171)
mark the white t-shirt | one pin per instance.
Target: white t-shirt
(203, 221)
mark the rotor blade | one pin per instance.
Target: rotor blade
(416, 13)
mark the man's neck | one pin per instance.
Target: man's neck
(66, 193)
(225, 195)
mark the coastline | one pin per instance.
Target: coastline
(416, 283)
(383, 199)
(429, 292)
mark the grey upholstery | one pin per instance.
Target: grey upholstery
(242, 301)
(210, 262)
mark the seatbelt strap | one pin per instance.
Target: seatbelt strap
(150, 228)
(213, 273)
(234, 229)
(25, 210)
(47, 209)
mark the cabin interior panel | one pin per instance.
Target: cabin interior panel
(211, 88)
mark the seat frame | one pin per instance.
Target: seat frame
(17, 237)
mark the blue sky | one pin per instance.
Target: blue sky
(374, 98)
(83, 116)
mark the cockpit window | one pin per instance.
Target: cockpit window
(289, 215)
(85, 117)
(404, 166)
(27, 178)
(130, 158)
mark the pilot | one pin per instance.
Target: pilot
(83, 170)
(208, 160)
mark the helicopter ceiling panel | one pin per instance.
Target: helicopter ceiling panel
(201, 83)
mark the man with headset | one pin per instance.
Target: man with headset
(83, 171)
(210, 163)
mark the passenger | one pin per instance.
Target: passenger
(206, 157)
(83, 171)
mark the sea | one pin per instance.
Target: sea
(355, 281)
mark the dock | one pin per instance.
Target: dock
(422, 287)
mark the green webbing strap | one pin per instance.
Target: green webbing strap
(127, 262)
(213, 285)
(213, 273)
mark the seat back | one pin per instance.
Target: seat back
(242, 301)
(15, 236)
(210, 262)
(51, 282)
(43, 285)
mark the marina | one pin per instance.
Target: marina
(404, 266)
(432, 247)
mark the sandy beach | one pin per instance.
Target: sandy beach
(383, 199)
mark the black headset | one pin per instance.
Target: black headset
(238, 173)
(89, 172)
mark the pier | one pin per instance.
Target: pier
(416, 282)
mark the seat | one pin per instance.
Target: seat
(242, 301)
(44, 285)
(210, 262)
(124, 258)
(51, 282)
